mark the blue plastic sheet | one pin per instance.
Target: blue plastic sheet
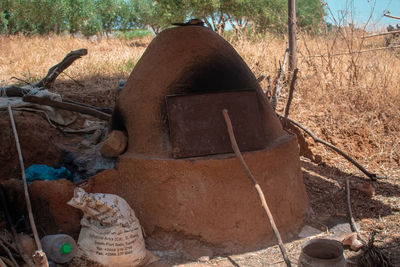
(44, 172)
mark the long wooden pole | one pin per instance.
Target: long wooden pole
(355, 52)
(380, 34)
(39, 256)
(264, 204)
(292, 35)
(390, 16)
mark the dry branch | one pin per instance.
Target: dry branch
(279, 82)
(67, 106)
(47, 81)
(372, 176)
(390, 16)
(353, 224)
(27, 198)
(256, 185)
(54, 71)
(355, 52)
(380, 34)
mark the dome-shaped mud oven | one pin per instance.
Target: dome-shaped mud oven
(179, 172)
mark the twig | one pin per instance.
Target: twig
(380, 34)
(372, 176)
(102, 109)
(355, 52)
(27, 198)
(353, 224)
(256, 185)
(279, 82)
(67, 106)
(54, 71)
(291, 90)
(20, 249)
(18, 79)
(75, 81)
(9, 254)
(268, 91)
(390, 16)
(373, 256)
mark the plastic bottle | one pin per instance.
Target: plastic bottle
(59, 248)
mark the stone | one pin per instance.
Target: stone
(114, 144)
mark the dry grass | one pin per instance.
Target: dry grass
(352, 101)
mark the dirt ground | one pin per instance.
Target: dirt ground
(325, 183)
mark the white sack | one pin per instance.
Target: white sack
(111, 234)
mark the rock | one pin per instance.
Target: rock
(198, 253)
(352, 241)
(114, 144)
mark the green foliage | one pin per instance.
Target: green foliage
(133, 34)
(310, 14)
(104, 16)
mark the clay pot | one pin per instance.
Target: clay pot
(322, 253)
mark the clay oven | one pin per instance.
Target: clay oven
(205, 195)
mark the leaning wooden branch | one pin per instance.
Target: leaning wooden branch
(372, 176)
(380, 34)
(54, 71)
(67, 106)
(256, 185)
(27, 198)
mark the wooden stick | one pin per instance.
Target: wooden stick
(256, 185)
(355, 52)
(102, 109)
(353, 224)
(279, 82)
(67, 106)
(372, 176)
(390, 16)
(292, 21)
(380, 34)
(27, 198)
(291, 90)
(54, 71)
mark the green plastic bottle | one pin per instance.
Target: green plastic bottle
(59, 248)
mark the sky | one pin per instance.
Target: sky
(362, 9)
